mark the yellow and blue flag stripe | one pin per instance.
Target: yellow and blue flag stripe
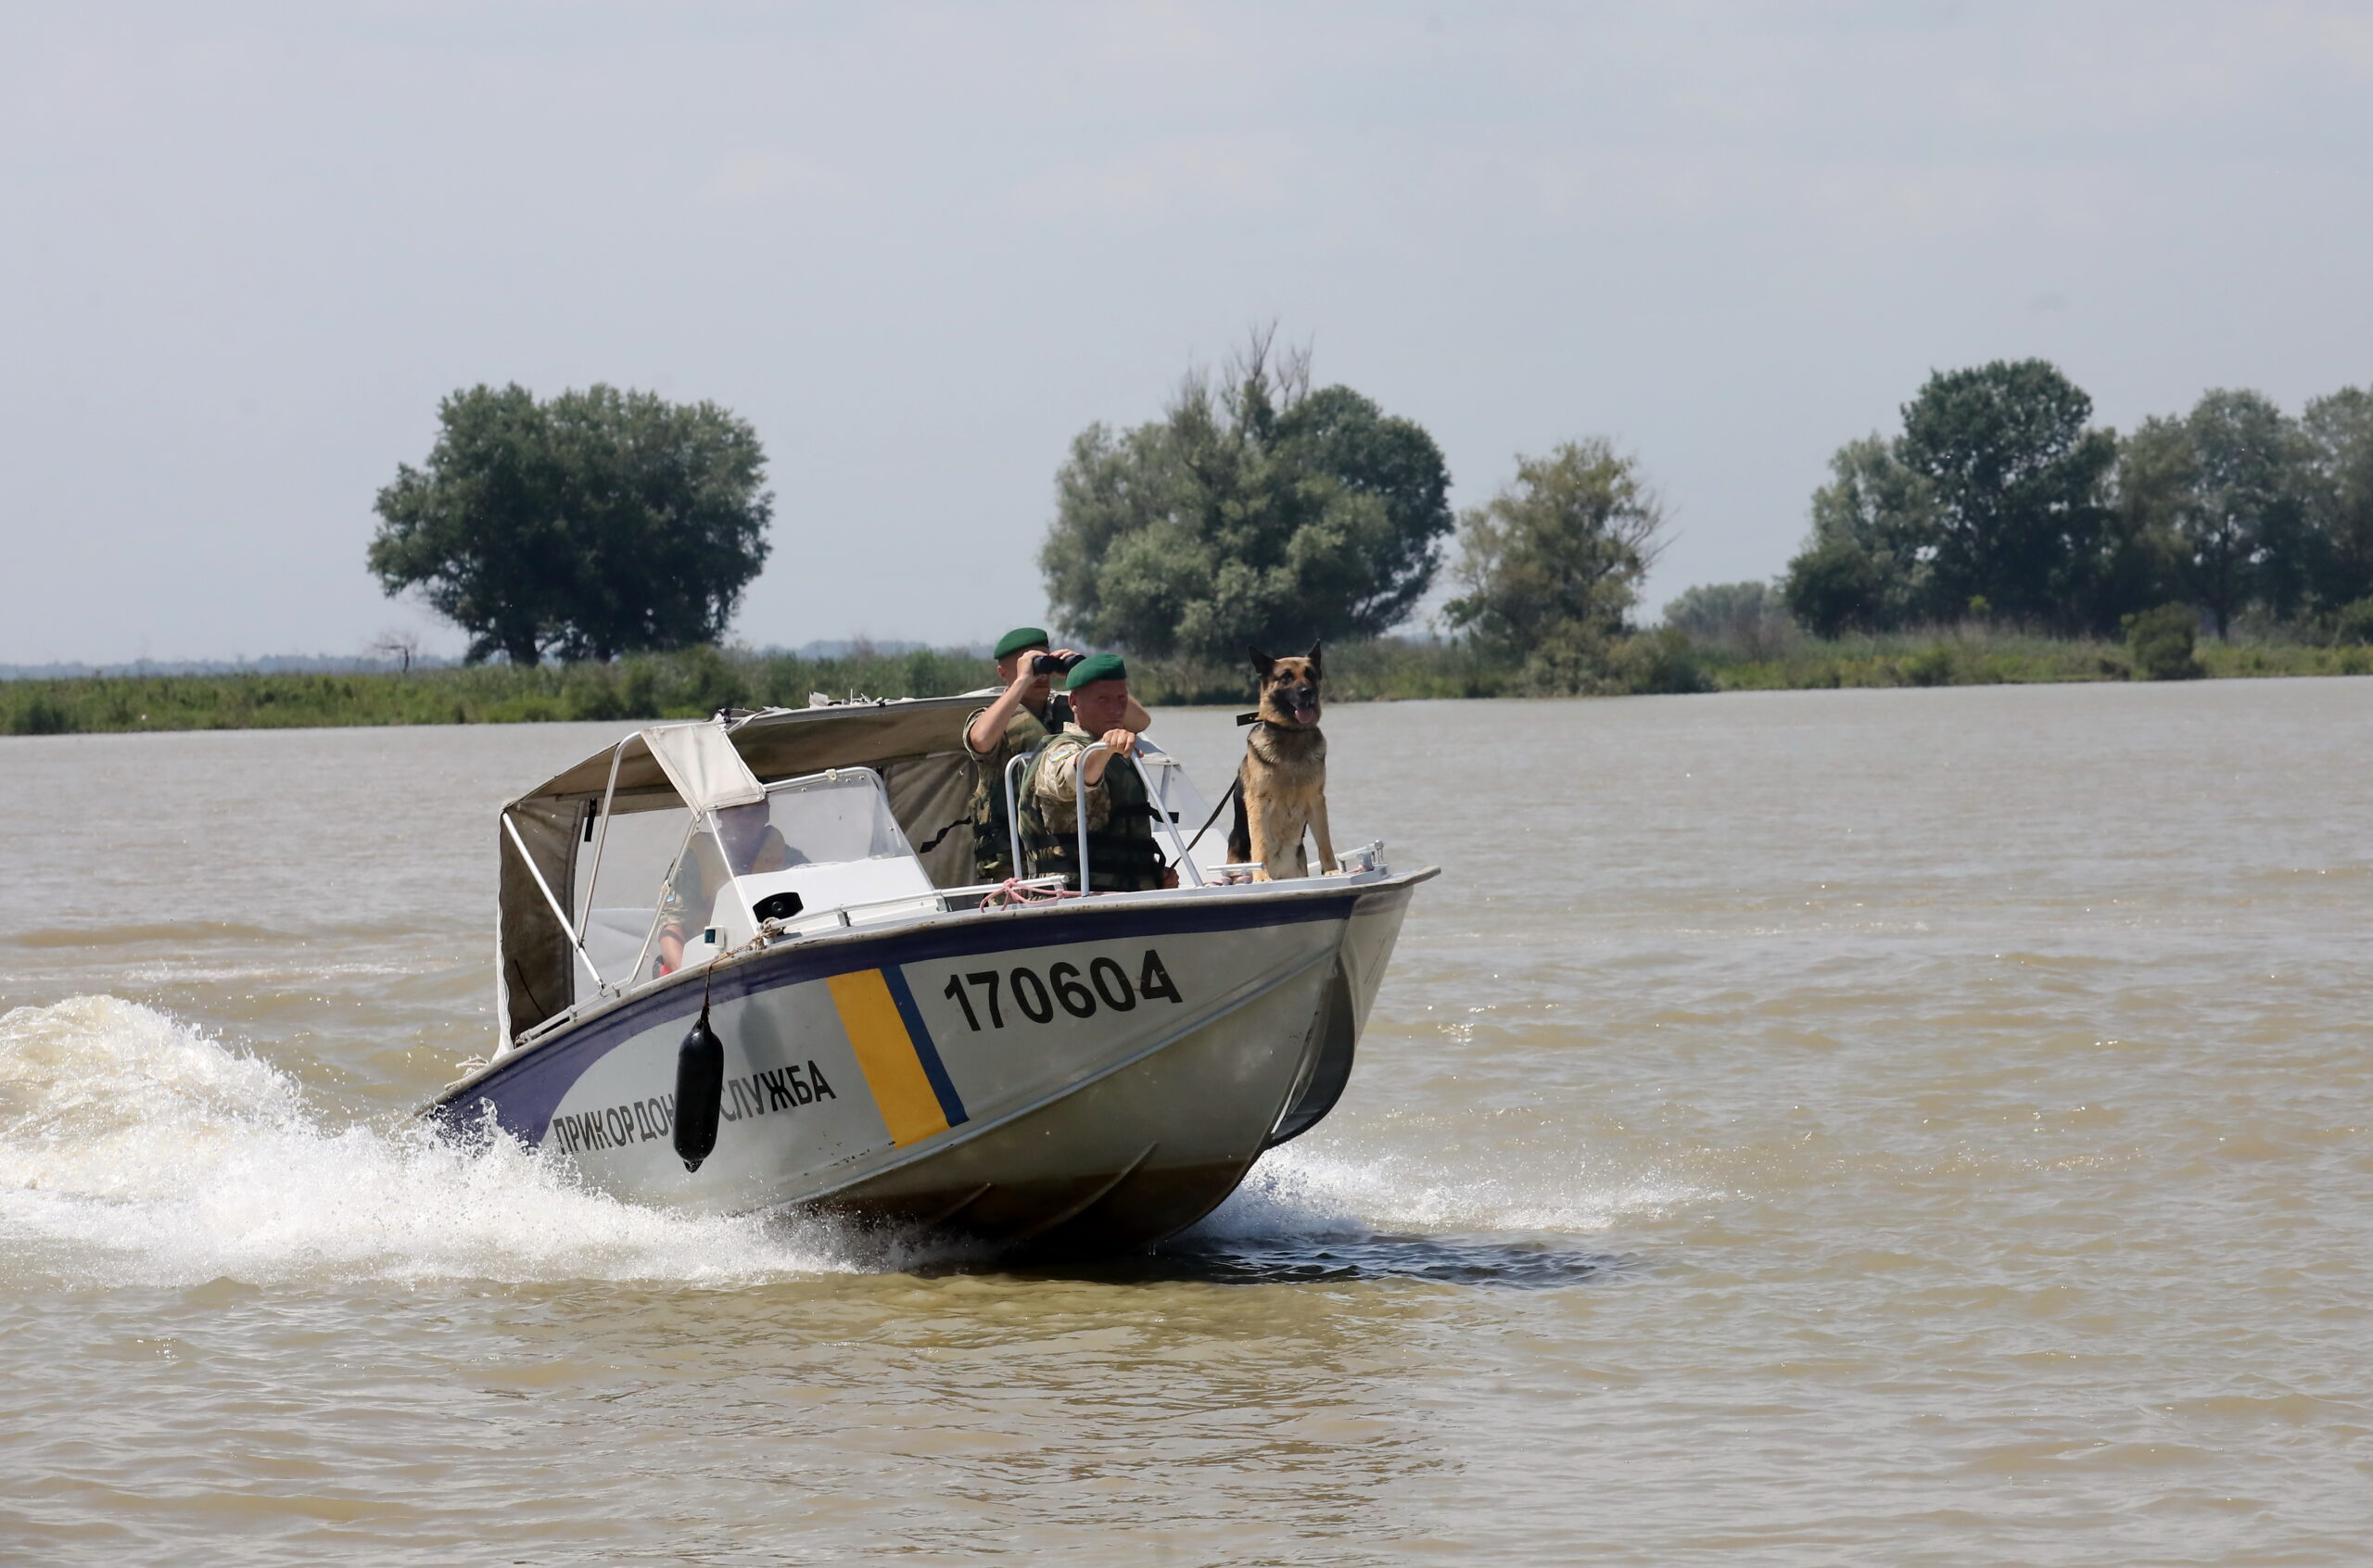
(895, 1051)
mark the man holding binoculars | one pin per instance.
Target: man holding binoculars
(1024, 715)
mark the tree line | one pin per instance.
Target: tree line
(1999, 499)
(1259, 510)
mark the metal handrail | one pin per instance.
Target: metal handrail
(1079, 809)
(1153, 799)
(1178, 840)
(1013, 814)
(968, 889)
(1079, 802)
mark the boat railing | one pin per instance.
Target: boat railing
(1169, 821)
(1012, 814)
(1079, 810)
(1052, 882)
(944, 897)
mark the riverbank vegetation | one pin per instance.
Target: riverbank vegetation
(699, 681)
(1261, 511)
(1998, 500)
(691, 684)
(1999, 537)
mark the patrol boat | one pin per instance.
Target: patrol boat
(728, 981)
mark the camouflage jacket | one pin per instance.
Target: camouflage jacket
(1122, 854)
(992, 845)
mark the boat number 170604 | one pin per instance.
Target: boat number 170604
(1064, 985)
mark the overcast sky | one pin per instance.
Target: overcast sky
(245, 249)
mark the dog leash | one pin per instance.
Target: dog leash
(1235, 784)
(1206, 827)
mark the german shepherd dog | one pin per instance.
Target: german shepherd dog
(1281, 788)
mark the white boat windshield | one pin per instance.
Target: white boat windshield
(814, 851)
(639, 850)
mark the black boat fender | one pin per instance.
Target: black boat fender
(700, 1091)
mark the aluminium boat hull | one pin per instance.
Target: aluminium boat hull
(1084, 1075)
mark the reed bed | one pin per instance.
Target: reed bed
(698, 682)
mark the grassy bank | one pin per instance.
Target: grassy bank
(1979, 658)
(1387, 670)
(689, 685)
(695, 684)
(1395, 670)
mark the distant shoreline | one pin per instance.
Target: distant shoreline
(698, 682)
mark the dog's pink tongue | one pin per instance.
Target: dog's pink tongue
(1305, 712)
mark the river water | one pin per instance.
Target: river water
(1873, 1127)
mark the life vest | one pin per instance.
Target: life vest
(1121, 855)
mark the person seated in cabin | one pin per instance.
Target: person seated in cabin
(746, 843)
(1022, 718)
(1121, 852)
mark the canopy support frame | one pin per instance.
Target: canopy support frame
(602, 833)
(576, 943)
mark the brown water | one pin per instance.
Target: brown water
(1858, 1127)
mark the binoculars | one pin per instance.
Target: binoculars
(1055, 663)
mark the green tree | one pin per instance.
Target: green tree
(2337, 438)
(2143, 562)
(2160, 641)
(2352, 624)
(1832, 588)
(2018, 480)
(1552, 566)
(1260, 513)
(595, 524)
(2242, 519)
(1866, 565)
(1749, 617)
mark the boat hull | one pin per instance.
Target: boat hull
(1076, 1077)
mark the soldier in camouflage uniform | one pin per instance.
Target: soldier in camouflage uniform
(1120, 850)
(1020, 719)
(688, 903)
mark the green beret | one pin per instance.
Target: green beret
(1021, 638)
(1095, 666)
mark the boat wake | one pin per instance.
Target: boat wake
(1322, 1209)
(1367, 1255)
(136, 1151)
(1328, 1182)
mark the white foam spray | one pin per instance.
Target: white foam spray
(135, 1150)
(1326, 1185)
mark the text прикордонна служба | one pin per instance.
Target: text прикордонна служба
(641, 1121)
